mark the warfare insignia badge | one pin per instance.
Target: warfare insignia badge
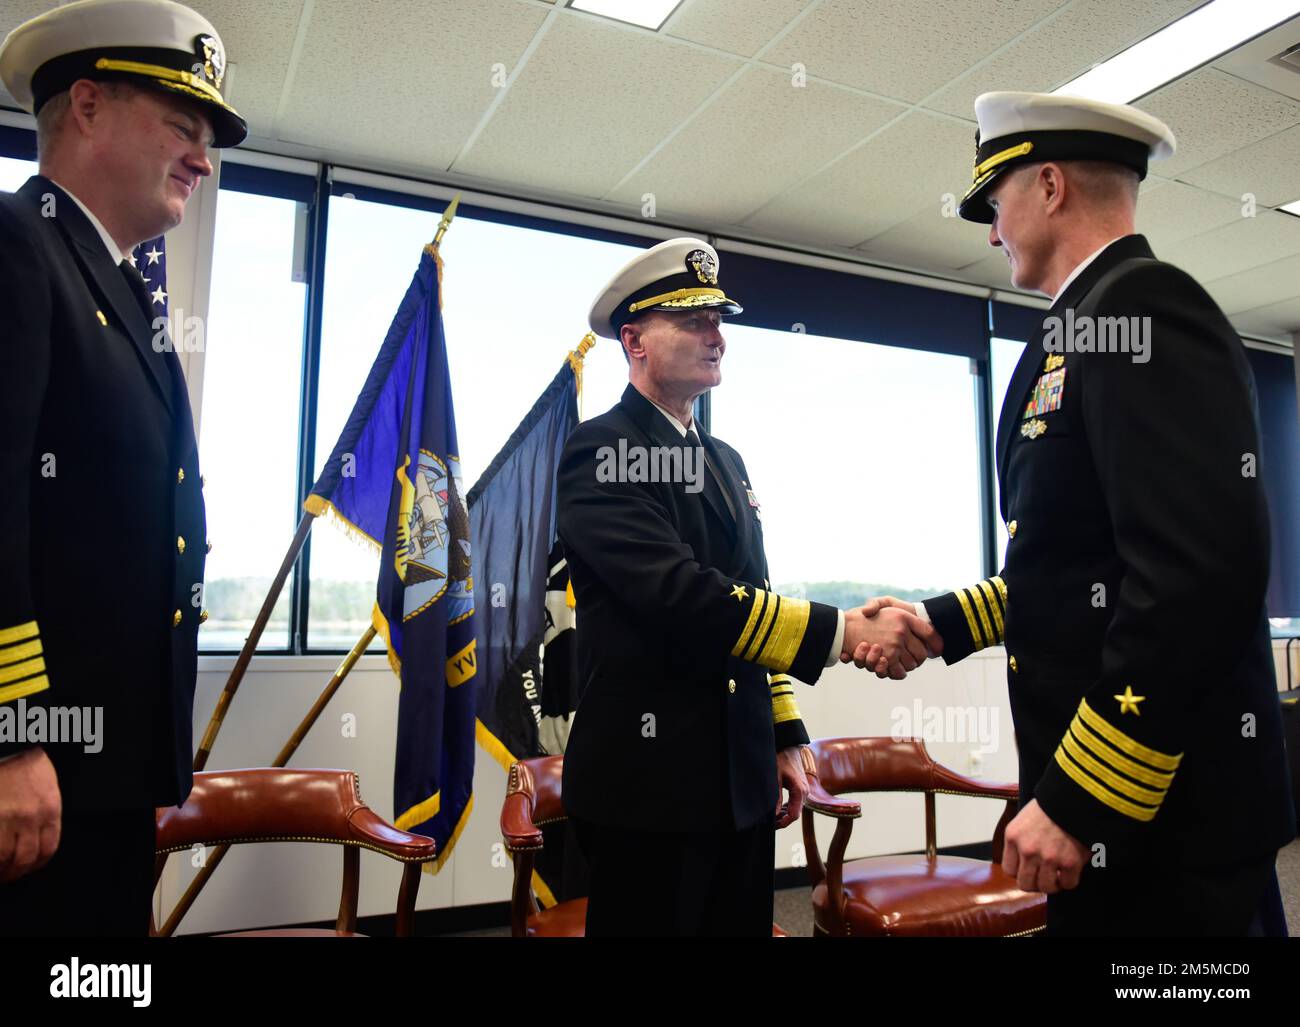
(1054, 360)
(1033, 429)
(704, 266)
(214, 59)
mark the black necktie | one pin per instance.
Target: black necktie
(138, 289)
(712, 477)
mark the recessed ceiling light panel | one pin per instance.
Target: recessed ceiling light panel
(649, 14)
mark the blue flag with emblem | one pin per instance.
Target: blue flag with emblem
(394, 480)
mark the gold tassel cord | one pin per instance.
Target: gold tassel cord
(576, 359)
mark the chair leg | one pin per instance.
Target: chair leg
(406, 900)
(347, 920)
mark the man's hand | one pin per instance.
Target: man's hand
(31, 811)
(790, 778)
(871, 656)
(891, 640)
(1039, 855)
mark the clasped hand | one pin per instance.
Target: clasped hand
(886, 635)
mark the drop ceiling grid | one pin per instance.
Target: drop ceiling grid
(416, 82)
(1213, 113)
(1268, 169)
(902, 48)
(1244, 243)
(751, 142)
(878, 185)
(1259, 286)
(742, 27)
(542, 136)
(1059, 48)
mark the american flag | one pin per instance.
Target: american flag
(150, 259)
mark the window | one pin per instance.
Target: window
(14, 172)
(515, 302)
(249, 429)
(864, 460)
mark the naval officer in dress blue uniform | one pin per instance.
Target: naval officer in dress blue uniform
(1153, 780)
(102, 528)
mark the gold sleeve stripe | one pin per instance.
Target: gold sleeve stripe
(14, 653)
(23, 688)
(1125, 744)
(995, 607)
(1101, 793)
(1111, 756)
(1001, 587)
(782, 690)
(760, 612)
(1123, 785)
(970, 619)
(779, 651)
(774, 619)
(988, 617)
(784, 709)
(21, 670)
(982, 613)
(778, 679)
(18, 633)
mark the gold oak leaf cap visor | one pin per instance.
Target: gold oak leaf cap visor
(1027, 128)
(154, 43)
(679, 274)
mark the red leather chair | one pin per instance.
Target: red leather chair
(268, 804)
(906, 895)
(532, 801)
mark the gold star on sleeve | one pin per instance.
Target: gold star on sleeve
(739, 592)
(1128, 701)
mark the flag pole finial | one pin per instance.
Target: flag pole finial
(447, 215)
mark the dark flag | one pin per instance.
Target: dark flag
(394, 479)
(523, 709)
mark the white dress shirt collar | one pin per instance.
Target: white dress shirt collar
(1079, 268)
(682, 429)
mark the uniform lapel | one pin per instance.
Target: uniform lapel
(729, 480)
(661, 433)
(105, 278)
(1031, 360)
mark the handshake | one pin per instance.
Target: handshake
(887, 636)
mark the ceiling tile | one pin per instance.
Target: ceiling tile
(422, 75)
(1258, 287)
(932, 242)
(590, 103)
(1171, 212)
(1063, 46)
(901, 48)
(993, 271)
(737, 26)
(1278, 319)
(1212, 114)
(259, 37)
(1244, 244)
(1268, 169)
(760, 136)
(907, 166)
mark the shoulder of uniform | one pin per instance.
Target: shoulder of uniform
(1150, 283)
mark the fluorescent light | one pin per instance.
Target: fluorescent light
(1188, 43)
(648, 14)
(1292, 208)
